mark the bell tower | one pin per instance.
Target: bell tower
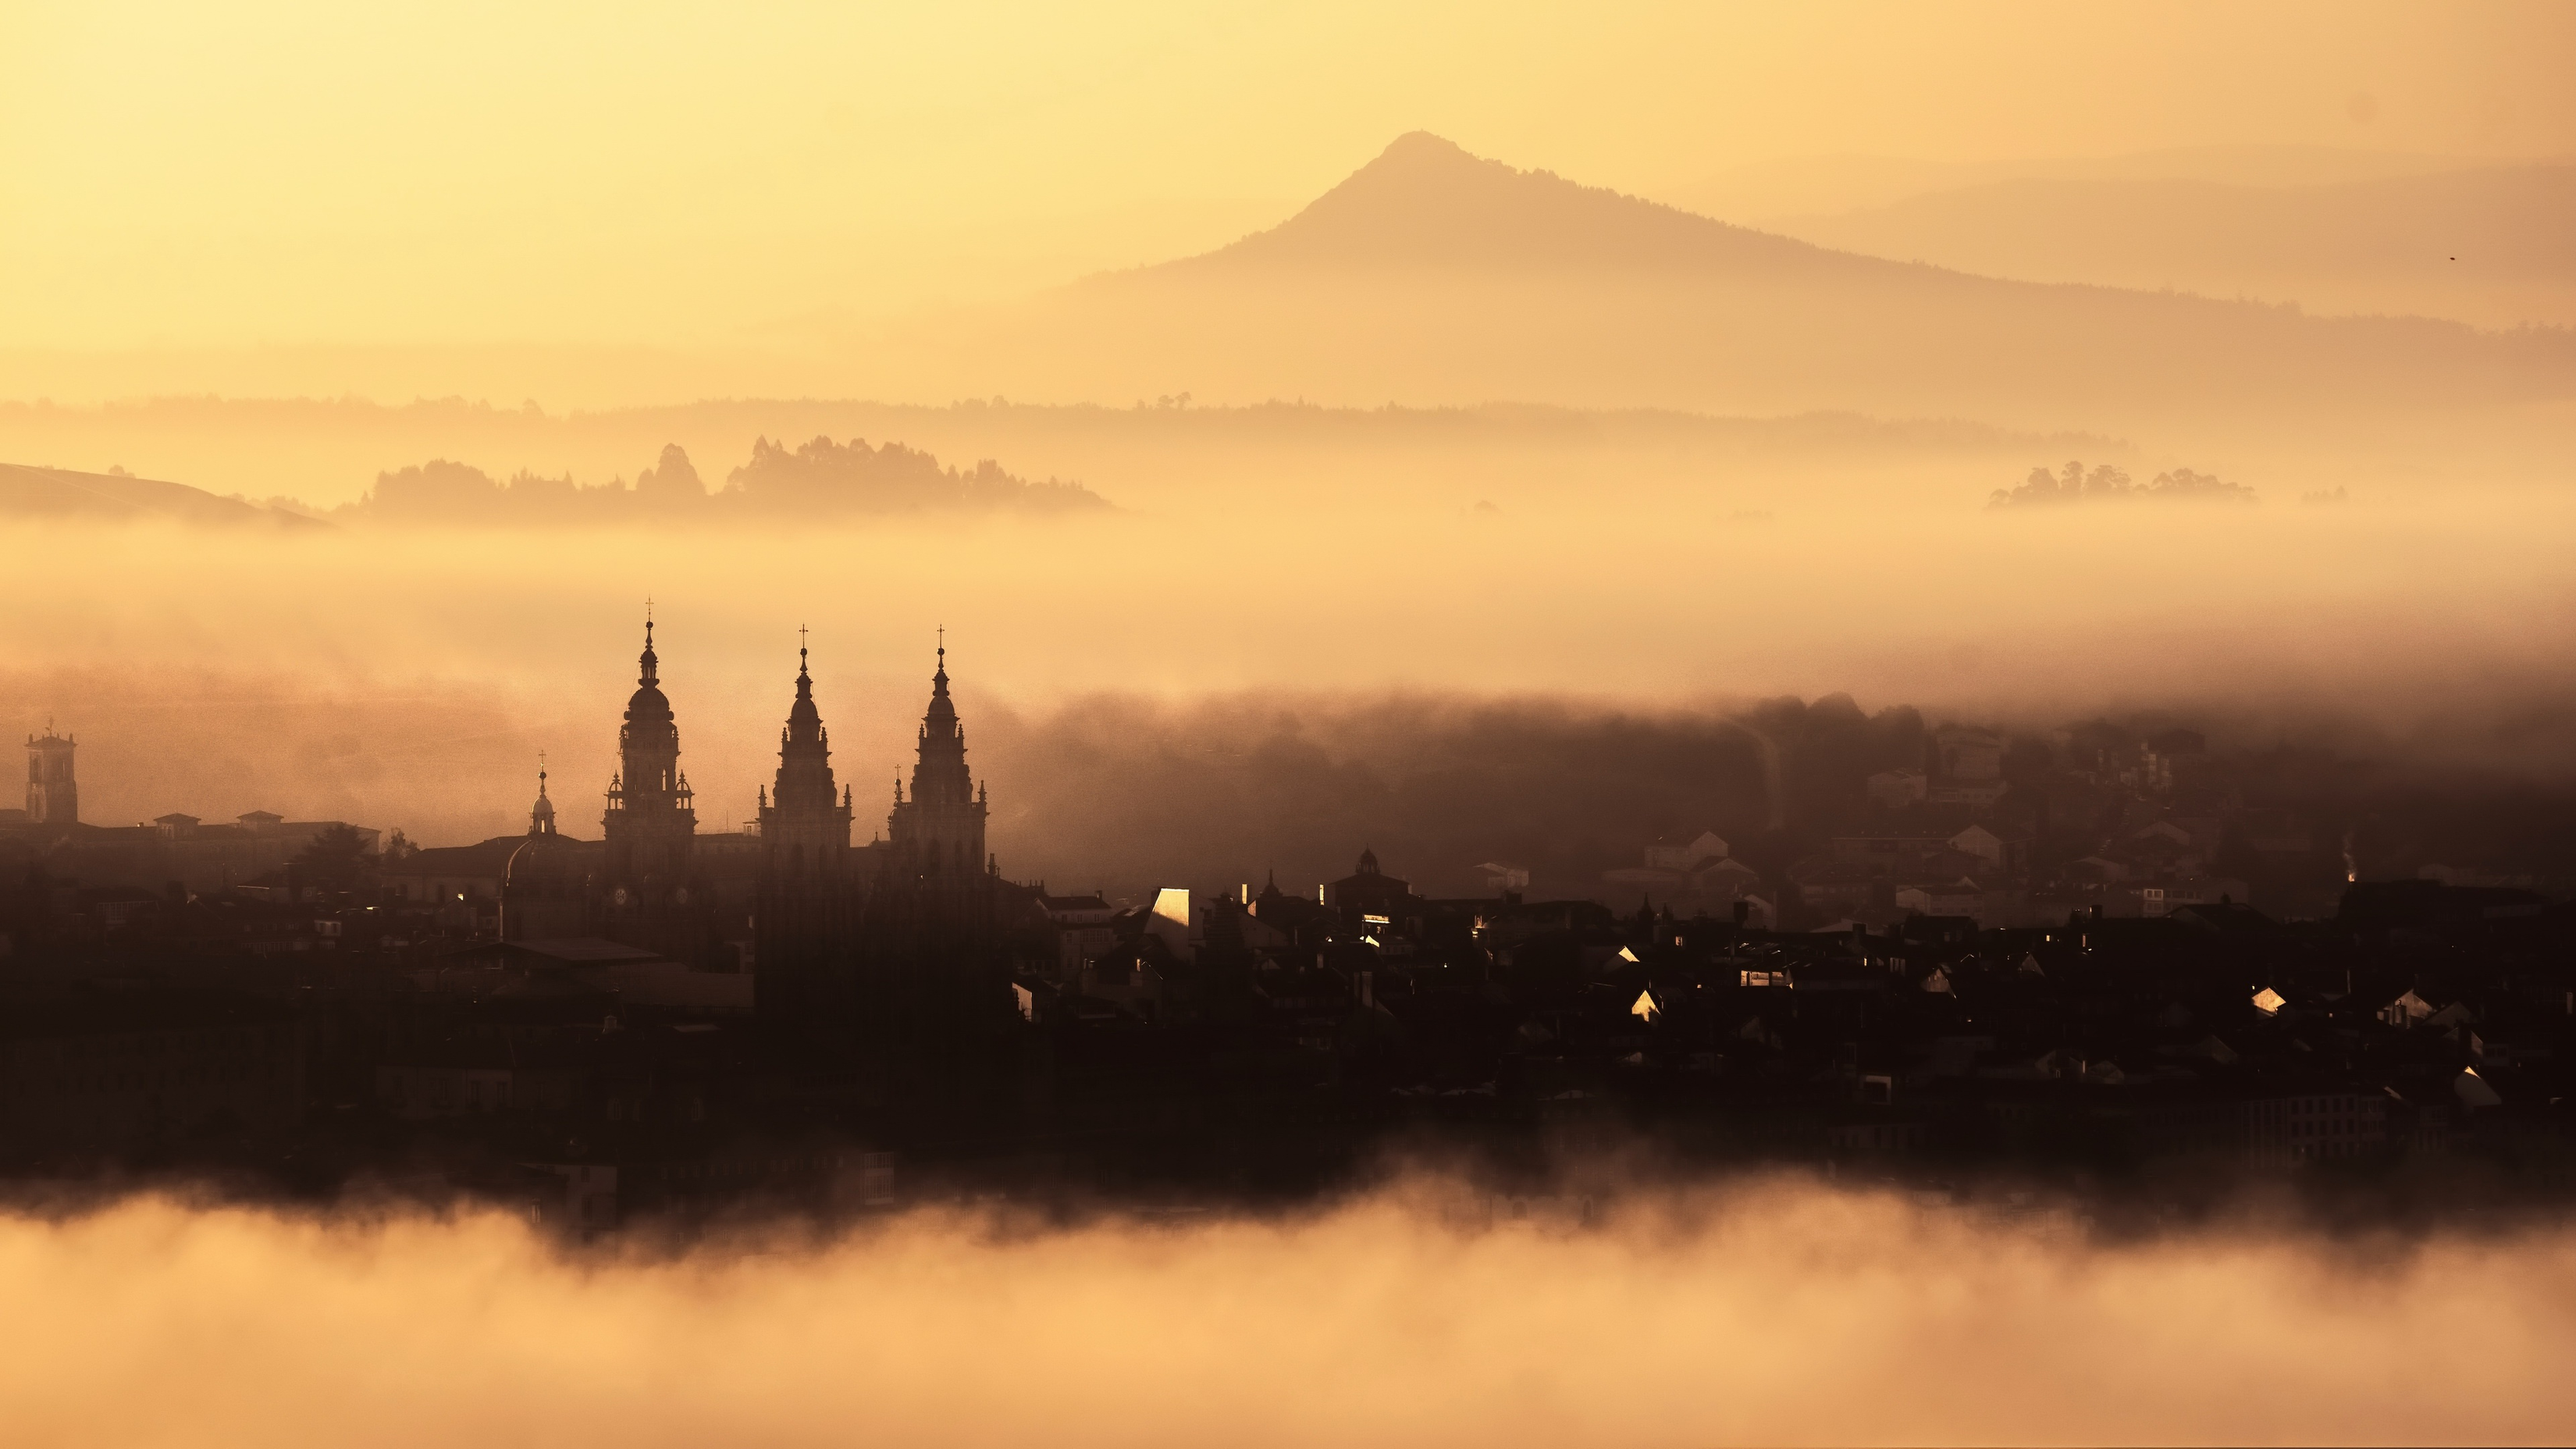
(936, 1013)
(936, 837)
(651, 815)
(651, 896)
(804, 821)
(803, 921)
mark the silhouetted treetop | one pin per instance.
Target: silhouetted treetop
(819, 479)
(2072, 484)
(855, 478)
(673, 480)
(335, 859)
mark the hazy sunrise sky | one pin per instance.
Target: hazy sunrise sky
(298, 171)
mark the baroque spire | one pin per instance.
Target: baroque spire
(541, 816)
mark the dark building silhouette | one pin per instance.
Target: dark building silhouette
(1369, 901)
(934, 980)
(548, 888)
(53, 797)
(805, 817)
(653, 899)
(935, 839)
(885, 961)
(804, 913)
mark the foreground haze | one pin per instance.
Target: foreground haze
(1767, 1314)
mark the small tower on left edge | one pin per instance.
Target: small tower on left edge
(53, 798)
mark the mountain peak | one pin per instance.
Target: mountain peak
(1417, 148)
(1427, 202)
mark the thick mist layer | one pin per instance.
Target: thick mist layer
(1161, 454)
(410, 679)
(1776, 1314)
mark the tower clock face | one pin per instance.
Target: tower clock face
(618, 895)
(681, 895)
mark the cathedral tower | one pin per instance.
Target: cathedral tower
(651, 899)
(936, 837)
(804, 919)
(935, 1010)
(804, 823)
(651, 816)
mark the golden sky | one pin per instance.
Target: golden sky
(292, 171)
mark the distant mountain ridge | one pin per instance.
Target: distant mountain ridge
(1431, 276)
(1764, 193)
(2494, 246)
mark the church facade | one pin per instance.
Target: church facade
(887, 953)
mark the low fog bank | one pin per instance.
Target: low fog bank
(1159, 701)
(1678, 597)
(1422, 1313)
(1164, 451)
(1127, 792)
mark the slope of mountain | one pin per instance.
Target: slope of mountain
(61, 493)
(2494, 246)
(1432, 276)
(1764, 193)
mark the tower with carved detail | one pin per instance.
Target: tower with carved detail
(803, 917)
(935, 837)
(804, 816)
(933, 985)
(649, 827)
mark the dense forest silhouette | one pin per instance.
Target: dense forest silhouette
(2106, 484)
(819, 479)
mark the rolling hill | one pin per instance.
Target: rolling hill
(62, 494)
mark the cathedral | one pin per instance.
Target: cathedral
(888, 953)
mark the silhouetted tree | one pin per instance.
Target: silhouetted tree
(335, 859)
(2072, 484)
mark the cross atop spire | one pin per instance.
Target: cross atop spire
(800, 651)
(541, 816)
(651, 662)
